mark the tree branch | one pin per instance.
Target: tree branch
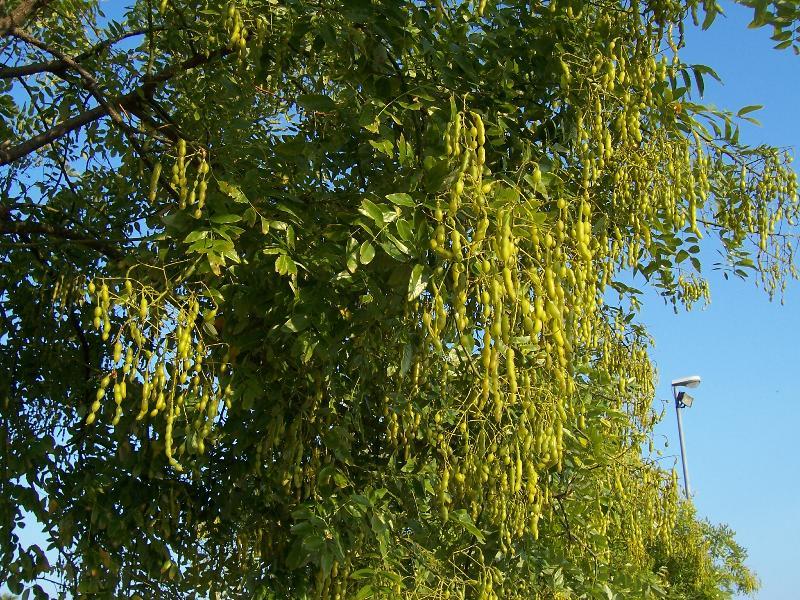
(12, 227)
(10, 154)
(58, 67)
(89, 82)
(24, 11)
(131, 102)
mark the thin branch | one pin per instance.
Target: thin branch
(58, 67)
(130, 102)
(89, 82)
(169, 130)
(12, 227)
(62, 161)
(9, 154)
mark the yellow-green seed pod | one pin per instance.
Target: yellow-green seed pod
(154, 182)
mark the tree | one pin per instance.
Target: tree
(315, 299)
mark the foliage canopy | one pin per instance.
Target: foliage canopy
(316, 299)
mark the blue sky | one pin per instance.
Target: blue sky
(741, 433)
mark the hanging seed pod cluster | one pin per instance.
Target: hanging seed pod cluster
(236, 30)
(156, 366)
(513, 301)
(189, 197)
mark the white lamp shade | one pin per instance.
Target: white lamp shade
(692, 381)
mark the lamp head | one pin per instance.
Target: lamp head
(684, 399)
(692, 381)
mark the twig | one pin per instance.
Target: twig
(58, 67)
(12, 227)
(131, 102)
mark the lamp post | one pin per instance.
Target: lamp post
(683, 400)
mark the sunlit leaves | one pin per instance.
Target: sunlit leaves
(370, 298)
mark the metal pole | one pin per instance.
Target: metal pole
(683, 448)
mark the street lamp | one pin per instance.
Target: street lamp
(683, 400)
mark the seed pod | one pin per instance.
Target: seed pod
(143, 308)
(509, 283)
(154, 183)
(480, 132)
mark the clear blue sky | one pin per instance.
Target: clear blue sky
(742, 432)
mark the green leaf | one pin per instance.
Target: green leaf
(250, 216)
(216, 295)
(506, 195)
(284, 207)
(352, 254)
(365, 592)
(405, 151)
(401, 199)
(222, 245)
(366, 253)
(316, 102)
(232, 190)
(285, 265)
(698, 78)
(326, 563)
(436, 172)
(365, 573)
(748, 109)
(408, 357)
(712, 10)
(462, 518)
(371, 210)
(384, 146)
(405, 230)
(297, 323)
(379, 213)
(229, 218)
(418, 282)
(399, 245)
(195, 235)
